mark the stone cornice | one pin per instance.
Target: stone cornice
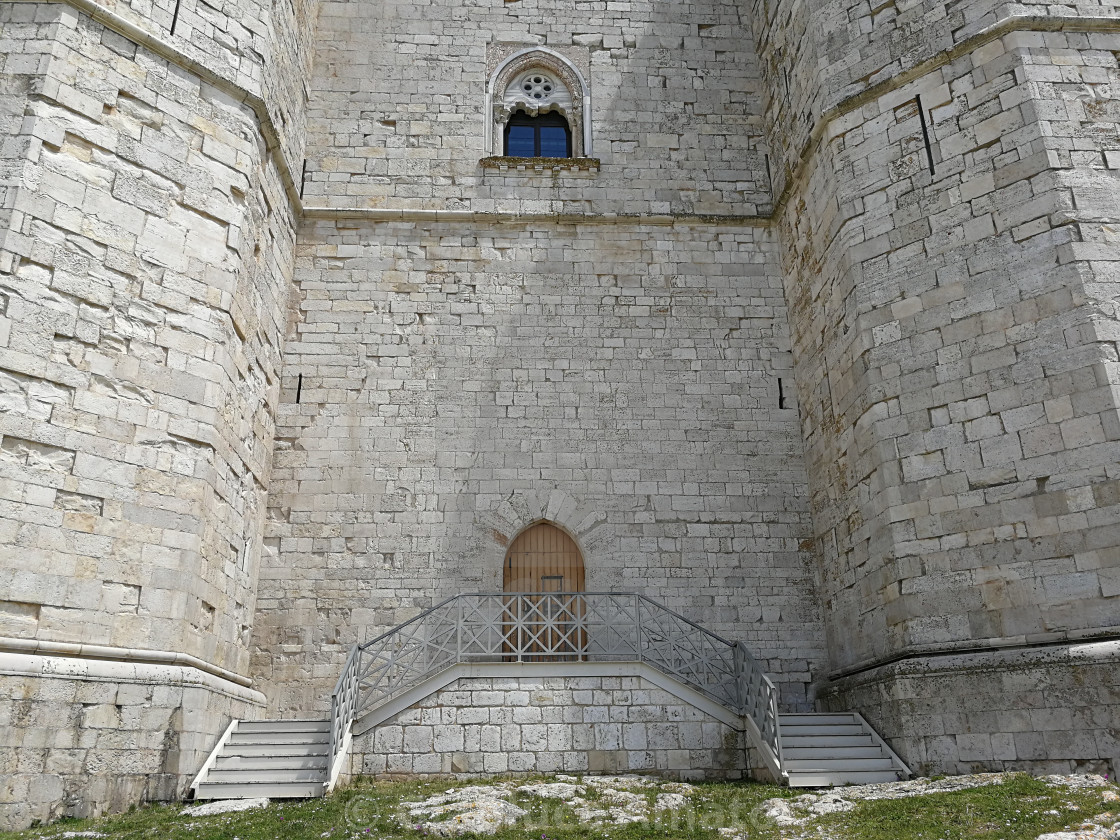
(73, 650)
(1043, 645)
(378, 215)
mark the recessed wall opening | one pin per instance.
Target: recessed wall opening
(543, 560)
(537, 105)
(547, 135)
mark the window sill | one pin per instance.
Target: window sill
(540, 164)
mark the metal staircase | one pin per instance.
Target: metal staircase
(278, 759)
(575, 630)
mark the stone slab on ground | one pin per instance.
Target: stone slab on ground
(223, 806)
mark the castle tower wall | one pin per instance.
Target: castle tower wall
(145, 263)
(600, 344)
(953, 322)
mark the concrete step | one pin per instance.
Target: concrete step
(253, 790)
(826, 730)
(813, 719)
(865, 740)
(831, 751)
(314, 774)
(278, 759)
(850, 777)
(271, 762)
(276, 749)
(240, 738)
(284, 726)
(819, 750)
(832, 765)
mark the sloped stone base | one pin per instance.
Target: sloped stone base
(1044, 710)
(82, 737)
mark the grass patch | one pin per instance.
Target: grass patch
(1019, 808)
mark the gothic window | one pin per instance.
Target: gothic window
(538, 101)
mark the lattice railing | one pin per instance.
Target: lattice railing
(552, 627)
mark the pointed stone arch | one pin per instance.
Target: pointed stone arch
(506, 518)
(571, 99)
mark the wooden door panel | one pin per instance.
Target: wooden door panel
(543, 559)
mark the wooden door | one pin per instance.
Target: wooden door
(543, 559)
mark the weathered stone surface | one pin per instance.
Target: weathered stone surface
(583, 742)
(820, 349)
(223, 806)
(99, 736)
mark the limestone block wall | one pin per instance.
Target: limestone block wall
(953, 337)
(83, 738)
(230, 38)
(1047, 710)
(482, 726)
(262, 48)
(814, 56)
(290, 51)
(146, 235)
(398, 107)
(144, 275)
(949, 272)
(448, 384)
(26, 52)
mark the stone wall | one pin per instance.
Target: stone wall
(144, 275)
(814, 57)
(80, 738)
(446, 385)
(1048, 710)
(482, 726)
(398, 104)
(145, 263)
(953, 337)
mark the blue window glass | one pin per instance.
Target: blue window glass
(554, 141)
(521, 141)
(547, 135)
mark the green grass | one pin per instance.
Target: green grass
(1020, 808)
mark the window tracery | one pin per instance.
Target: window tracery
(537, 82)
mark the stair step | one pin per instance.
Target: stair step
(831, 751)
(817, 719)
(315, 774)
(834, 765)
(283, 726)
(278, 750)
(855, 777)
(279, 738)
(827, 742)
(253, 790)
(827, 729)
(271, 762)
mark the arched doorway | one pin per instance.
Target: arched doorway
(545, 566)
(543, 559)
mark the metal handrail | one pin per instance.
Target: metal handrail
(344, 707)
(554, 626)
